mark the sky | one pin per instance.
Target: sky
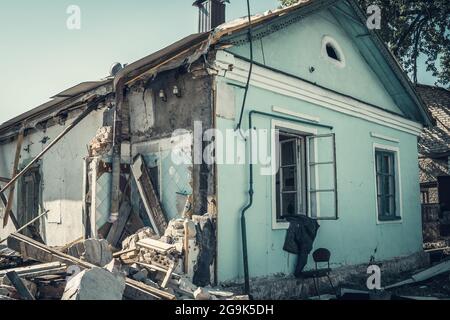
(40, 56)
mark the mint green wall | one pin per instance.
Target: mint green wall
(353, 238)
(297, 47)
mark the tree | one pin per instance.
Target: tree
(415, 29)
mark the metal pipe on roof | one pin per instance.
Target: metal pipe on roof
(119, 87)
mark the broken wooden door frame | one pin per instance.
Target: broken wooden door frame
(147, 193)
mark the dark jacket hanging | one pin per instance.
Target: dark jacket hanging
(300, 238)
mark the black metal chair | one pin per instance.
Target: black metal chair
(320, 255)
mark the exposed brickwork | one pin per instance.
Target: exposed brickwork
(434, 144)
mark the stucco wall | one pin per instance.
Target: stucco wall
(298, 47)
(62, 177)
(355, 236)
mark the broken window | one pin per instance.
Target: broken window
(385, 162)
(28, 199)
(305, 183)
(331, 52)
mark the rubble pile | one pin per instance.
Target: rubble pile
(146, 267)
(102, 142)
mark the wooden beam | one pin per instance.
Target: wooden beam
(13, 217)
(14, 173)
(148, 196)
(19, 285)
(171, 269)
(118, 226)
(40, 269)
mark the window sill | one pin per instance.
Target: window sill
(280, 225)
(390, 220)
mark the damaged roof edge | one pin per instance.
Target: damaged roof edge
(141, 66)
(57, 101)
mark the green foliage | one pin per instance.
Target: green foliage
(413, 29)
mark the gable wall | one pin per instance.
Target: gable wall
(297, 47)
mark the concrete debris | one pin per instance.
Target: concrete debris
(114, 266)
(145, 233)
(102, 142)
(32, 288)
(94, 251)
(147, 267)
(202, 294)
(95, 284)
(7, 291)
(141, 275)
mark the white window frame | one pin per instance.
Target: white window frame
(398, 182)
(300, 130)
(341, 63)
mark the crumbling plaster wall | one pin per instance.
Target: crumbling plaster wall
(154, 120)
(62, 176)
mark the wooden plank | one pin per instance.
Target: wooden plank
(12, 216)
(168, 275)
(119, 253)
(432, 272)
(14, 173)
(148, 196)
(40, 252)
(424, 275)
(118, 226)
(186, 247)
(22, 271)
(19, 285)
(141, 286)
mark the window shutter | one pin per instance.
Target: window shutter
(322, 177)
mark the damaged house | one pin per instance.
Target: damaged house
(105, 159)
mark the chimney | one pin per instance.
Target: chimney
(211, 13)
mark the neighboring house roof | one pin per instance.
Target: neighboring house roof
(434, 143)
(191, 47)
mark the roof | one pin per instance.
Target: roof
(55, 102)
(185, 48)
(435, 141)
(353, 20)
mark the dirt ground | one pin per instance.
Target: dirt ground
(436, 287)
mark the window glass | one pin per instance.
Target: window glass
(386, 185)
(290, 179)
